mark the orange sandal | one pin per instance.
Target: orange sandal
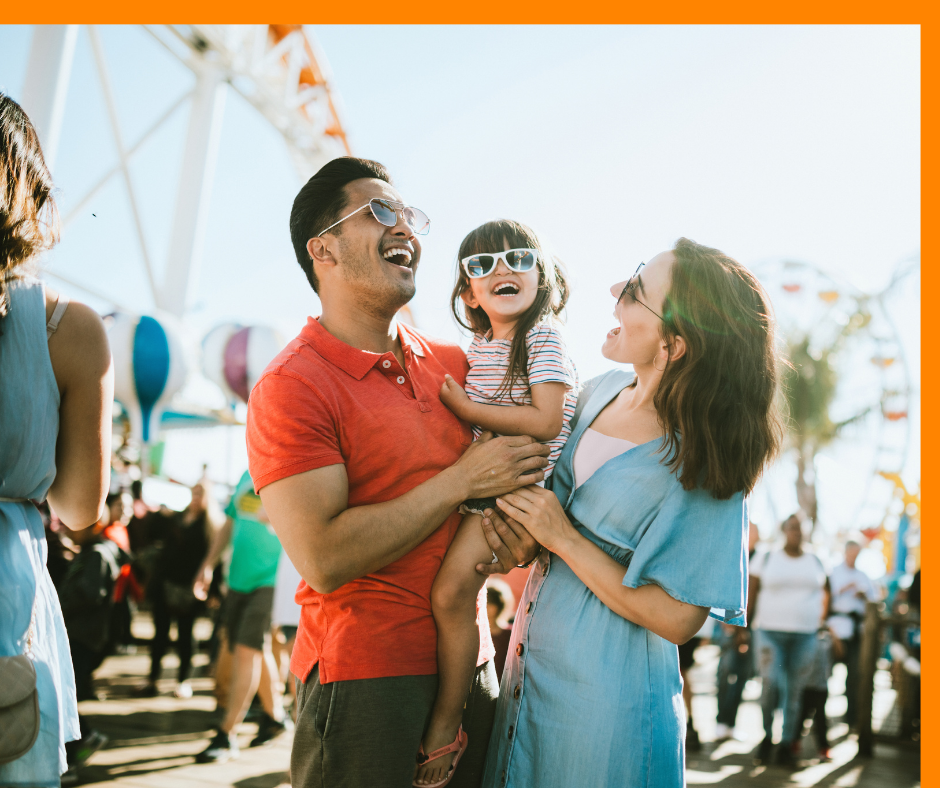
(459, 746)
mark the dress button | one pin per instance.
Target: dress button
(510, 731)
(503, 776)
(528, 608)
(517, 692)
(401, 380)
(386, 363)
(519, 649)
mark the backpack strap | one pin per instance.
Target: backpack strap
(61, 304)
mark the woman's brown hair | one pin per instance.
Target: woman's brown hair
(717, 402)
(29, 223)
(550, 300)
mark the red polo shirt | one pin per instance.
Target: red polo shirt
(323, 402)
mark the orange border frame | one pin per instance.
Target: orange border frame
(566, 12)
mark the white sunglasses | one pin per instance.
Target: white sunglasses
(518, 260)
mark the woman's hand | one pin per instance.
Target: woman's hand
(510, 542)
(539, 512)
(454, 397)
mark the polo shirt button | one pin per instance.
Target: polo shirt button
(517, 692)
(401, 380)
(519, 649)
(386, 363)
(528, 608)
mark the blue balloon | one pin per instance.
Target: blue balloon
(151, 360)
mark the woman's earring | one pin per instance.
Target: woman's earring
(657, 368)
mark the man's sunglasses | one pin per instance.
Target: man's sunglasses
(630, 288)
(518, 260)
(387, 212)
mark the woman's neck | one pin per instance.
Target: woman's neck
(794, 552)
(645, 388)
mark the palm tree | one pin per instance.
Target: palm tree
(810, 382)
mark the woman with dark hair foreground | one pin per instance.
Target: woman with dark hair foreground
(56, 390)
(644, 531)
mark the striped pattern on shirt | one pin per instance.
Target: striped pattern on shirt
(549, 362)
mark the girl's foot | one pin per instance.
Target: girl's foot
(431, 772)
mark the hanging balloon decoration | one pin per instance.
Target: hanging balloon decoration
(234, 357)
(150, 366)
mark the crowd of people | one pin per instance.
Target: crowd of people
(399, 474)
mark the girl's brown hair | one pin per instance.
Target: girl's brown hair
(29, 222)
(717, 402)
(550, 300)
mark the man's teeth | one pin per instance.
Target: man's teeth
(398, 252)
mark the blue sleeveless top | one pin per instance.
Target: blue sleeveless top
(29, 426)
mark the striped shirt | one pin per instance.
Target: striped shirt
(549, 362)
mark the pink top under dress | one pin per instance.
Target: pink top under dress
(593, 451)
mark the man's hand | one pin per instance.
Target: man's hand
(509, 541)
(202, 583)
(455, 398)
(493, 466)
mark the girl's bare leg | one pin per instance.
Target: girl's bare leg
(453, 601)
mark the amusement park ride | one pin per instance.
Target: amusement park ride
(280, 72)
(871, 406)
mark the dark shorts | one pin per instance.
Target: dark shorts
(687, 653)
(248, 618)
(365, 733)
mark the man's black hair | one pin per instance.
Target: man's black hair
(322, 201)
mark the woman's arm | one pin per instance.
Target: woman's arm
(648, 606)
(81, 362)
(542, 420)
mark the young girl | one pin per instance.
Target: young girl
(521, 382)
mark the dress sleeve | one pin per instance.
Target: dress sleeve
(549, 361)
(695, 549)
(290, 430)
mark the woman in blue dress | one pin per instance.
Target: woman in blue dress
(644, 532)
(56, 394)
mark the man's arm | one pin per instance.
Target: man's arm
(332, 543)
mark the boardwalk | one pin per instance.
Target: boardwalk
(153, 742)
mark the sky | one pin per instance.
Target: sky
(771, 143)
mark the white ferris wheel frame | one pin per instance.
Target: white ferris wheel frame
(276, 68)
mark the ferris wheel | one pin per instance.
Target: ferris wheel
(870, 407)
(280, 71)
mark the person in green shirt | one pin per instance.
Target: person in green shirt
(247, 617)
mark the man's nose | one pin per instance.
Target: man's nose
(402, 227)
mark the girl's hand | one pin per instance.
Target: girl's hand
(539, 512)
(454, 397)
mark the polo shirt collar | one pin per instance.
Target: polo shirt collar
(352, 360)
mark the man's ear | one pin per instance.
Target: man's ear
(469, 298)
(677, 347)
(320, 252)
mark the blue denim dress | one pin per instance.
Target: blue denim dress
(29, 425)
(587, 697)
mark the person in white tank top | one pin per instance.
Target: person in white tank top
(789, 595)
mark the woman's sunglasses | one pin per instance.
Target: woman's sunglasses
(518, 260)
(387, 212)
(630, 288)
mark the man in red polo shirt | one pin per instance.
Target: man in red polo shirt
(361, 469)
